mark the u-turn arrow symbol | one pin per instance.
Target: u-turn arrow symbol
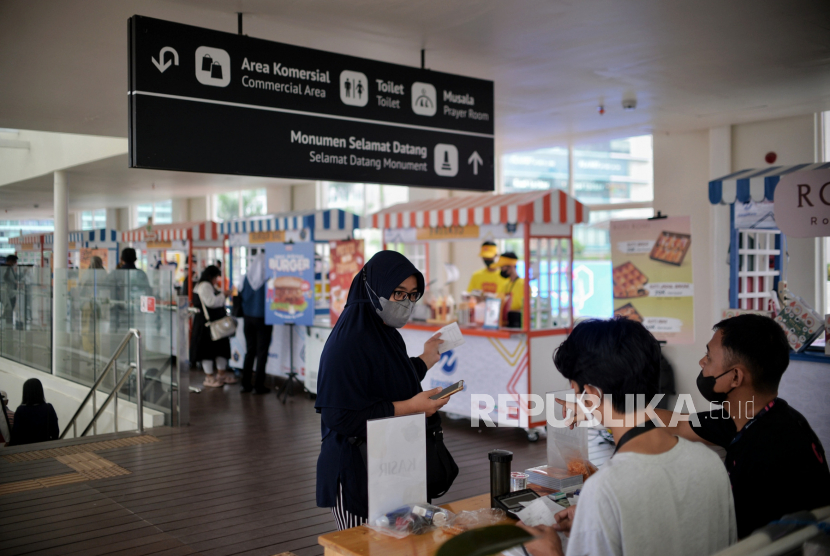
(161, 64)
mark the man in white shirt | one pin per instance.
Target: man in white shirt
(659, 494)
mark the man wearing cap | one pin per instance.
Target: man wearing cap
(488, 279)
(513, 285)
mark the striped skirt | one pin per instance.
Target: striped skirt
(344, 519)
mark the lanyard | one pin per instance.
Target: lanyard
(634, 433)
(758, 415)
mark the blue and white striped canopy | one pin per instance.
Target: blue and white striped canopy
(755, 184)
(331, 219)
(103, 235)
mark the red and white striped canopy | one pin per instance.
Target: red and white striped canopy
(551, 206)
(27, 239)
(199, 231)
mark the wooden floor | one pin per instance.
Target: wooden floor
(239, 480)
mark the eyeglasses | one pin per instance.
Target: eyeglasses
(400, 296)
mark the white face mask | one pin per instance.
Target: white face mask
(394, 313)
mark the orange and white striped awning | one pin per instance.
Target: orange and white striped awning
(27, 239)
(551, 206)
(198, 231)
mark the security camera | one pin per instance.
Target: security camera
(629, 104)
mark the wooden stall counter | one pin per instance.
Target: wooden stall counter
(362, 541)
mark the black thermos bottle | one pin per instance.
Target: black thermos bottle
(499, 474)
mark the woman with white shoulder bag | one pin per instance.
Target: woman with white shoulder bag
(212, 328)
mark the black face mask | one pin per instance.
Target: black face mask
(488, 262)
(706, 386)
(505, 273)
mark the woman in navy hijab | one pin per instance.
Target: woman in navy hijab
(365, 373)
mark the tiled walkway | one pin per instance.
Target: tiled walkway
(239, 481)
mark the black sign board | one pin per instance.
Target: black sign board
(207, 101)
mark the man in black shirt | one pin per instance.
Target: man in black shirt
(776, 464)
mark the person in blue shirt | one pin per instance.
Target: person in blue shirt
(257, 333)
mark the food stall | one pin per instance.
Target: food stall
(31, 250)
(499, 360)
(168, 245)
(36, 249)
(248, 235)
(758, 263)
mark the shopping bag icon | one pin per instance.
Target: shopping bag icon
(206, 62)
(216, 70)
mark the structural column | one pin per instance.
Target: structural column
(60, 244)
(60, 255)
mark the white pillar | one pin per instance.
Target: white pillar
(60, 245)
(60, 254)
(571, 170)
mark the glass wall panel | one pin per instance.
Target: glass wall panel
(97, 311)
(26, 316)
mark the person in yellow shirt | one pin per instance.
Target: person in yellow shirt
(488, 279)
(513, 286)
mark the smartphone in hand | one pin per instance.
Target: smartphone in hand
(449, 391)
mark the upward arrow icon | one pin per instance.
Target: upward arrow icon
(475, 160)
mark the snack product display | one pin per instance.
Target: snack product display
(671, 248)
(628, 311)
(629, 281)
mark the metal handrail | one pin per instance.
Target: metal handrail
(133, 333)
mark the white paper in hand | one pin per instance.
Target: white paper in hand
(541, 511)
(452, 337)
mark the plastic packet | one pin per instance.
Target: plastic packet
(568, 449)
(800, 322)
(468, 520)
(412, 519)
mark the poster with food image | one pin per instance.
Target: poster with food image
(87, 254)
(289, 293)
(346, 261)
(652, 275)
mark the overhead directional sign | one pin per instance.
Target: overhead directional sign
(207, 101)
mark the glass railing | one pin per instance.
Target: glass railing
(26, 316)
(97, 309)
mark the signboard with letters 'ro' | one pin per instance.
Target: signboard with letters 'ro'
(207, 101)
(802, 204)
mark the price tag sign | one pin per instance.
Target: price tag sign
(148, 304)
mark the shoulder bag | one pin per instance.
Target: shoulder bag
(222, 328)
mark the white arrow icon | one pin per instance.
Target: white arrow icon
(475, 160)
(163, 66)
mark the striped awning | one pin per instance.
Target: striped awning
(754, 184)
(27, 239)
(198, 231)
(534, 207)
(102, 235)
(331, 219)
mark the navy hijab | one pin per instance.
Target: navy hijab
(364, 360)
(363, 363)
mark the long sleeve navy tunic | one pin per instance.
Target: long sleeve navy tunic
(340, 461)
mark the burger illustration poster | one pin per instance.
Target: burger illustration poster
(289, 293)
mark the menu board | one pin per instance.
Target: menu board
(652, 274)
(289, 293)
(87, 254)
(346, 261)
